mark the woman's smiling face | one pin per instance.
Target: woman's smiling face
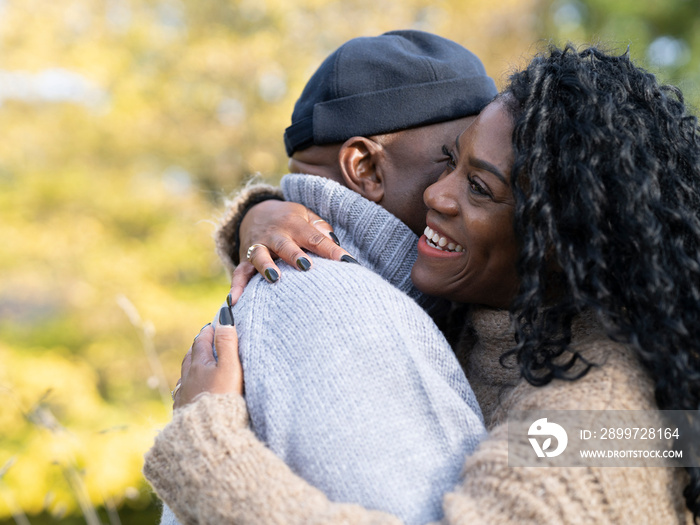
(471, 256)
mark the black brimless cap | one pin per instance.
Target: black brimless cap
(387, 83)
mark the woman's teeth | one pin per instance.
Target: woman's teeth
(434, 240)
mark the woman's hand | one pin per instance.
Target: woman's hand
(284, 229)
(201, 372)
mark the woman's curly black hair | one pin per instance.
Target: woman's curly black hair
(606, 179)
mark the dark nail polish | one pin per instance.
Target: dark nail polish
(347, 258)
(229, 300)
(204, 327)
(303, 263)
(225, 316)
(271, 275)
(334, 237)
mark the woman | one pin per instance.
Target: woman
(575, 197)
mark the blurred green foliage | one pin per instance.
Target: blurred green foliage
(123, 124)
(663, 36)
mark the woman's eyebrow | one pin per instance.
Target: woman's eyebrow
(486, 165)
(482, 164)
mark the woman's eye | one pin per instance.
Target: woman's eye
(477, 187)
(451, 163)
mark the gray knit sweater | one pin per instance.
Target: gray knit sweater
(347, 379)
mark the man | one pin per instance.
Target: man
(368, 129)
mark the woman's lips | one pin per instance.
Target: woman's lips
(430, 246)
(440, 242)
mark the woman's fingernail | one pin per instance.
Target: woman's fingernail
(225, 316)
(347, 258)
(303, 263)
(271, 275)
(204, 326)
(334, 237)
(229, 300)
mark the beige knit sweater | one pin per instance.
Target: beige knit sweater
(209, 468)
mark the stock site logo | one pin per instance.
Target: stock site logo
(542, 427)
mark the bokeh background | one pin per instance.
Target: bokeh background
(123, 123)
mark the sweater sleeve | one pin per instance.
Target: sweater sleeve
(494, 493)
(226, 234)
(209, 468)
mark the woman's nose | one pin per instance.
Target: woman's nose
(440, 195)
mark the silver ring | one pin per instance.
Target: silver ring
(318, 220)
(175, 390)
(250, 250)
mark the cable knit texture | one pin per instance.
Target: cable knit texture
(347, 378)
(491, 491)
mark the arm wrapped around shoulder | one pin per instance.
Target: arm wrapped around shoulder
(210, 469)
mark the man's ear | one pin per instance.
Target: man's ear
(360, 162)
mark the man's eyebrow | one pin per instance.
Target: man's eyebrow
(485, 165)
